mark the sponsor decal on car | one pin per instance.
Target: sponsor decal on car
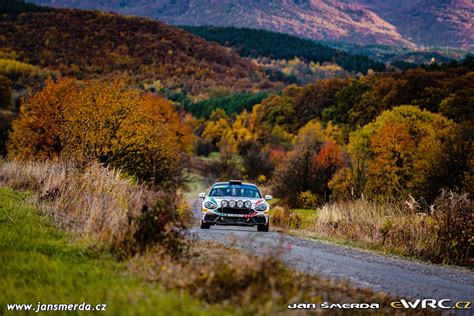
(250, 215)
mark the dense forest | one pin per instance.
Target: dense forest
(392, 134)
(19, 6)
(261, 43)
(387, 53)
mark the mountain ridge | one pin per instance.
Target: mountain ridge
(392, 22)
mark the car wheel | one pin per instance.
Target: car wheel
(263, 228)
(205, 225)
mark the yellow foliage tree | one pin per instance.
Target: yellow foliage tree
(216, 127)
(399, 152)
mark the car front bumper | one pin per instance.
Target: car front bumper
(232, 219)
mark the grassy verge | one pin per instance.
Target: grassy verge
(41, 264)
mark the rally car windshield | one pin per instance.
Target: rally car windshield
(247, 191)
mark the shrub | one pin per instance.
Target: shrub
(256, 162)
(285, 218)
(454, 215)
(203, 147)
(307, 200)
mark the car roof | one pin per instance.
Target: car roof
(243, 183)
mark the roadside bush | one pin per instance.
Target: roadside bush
(285, 218)
(203, 147)
(307, 200)
(97, 203)
(454, 217)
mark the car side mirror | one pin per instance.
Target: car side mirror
(202, 195)
(268, 197)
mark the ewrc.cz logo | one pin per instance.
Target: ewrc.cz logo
(430, 303)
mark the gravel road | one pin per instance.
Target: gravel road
(396, 276)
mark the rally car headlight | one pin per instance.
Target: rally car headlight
(210, 205)
(261, 207)
(232, 203)
(240, 204)
(248, 204)
(224, 203)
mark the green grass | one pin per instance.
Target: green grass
(194, 184)
(38, 263)
(306, 214)
(308, 217)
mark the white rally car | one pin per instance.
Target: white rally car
(235, 203)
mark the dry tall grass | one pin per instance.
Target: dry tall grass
(443, 233)
(97, 203)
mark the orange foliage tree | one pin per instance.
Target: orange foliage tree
(37, 131)
(107, 121)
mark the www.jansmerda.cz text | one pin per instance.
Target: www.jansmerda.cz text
(41, 307)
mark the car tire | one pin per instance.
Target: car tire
(205, 225)
(263, 228)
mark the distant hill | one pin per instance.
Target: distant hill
(261, 43)
(388, 53)
(410, 23)
(89, 44)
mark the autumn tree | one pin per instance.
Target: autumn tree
(216, 127)
(455, 170)
(6, 120)
(107, 121)
(325, 164)
(38, 131)
(310, 165)
(255, 161)
(317, 97)
(397, 154)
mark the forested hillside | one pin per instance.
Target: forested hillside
(88, 44)
(260, 43)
